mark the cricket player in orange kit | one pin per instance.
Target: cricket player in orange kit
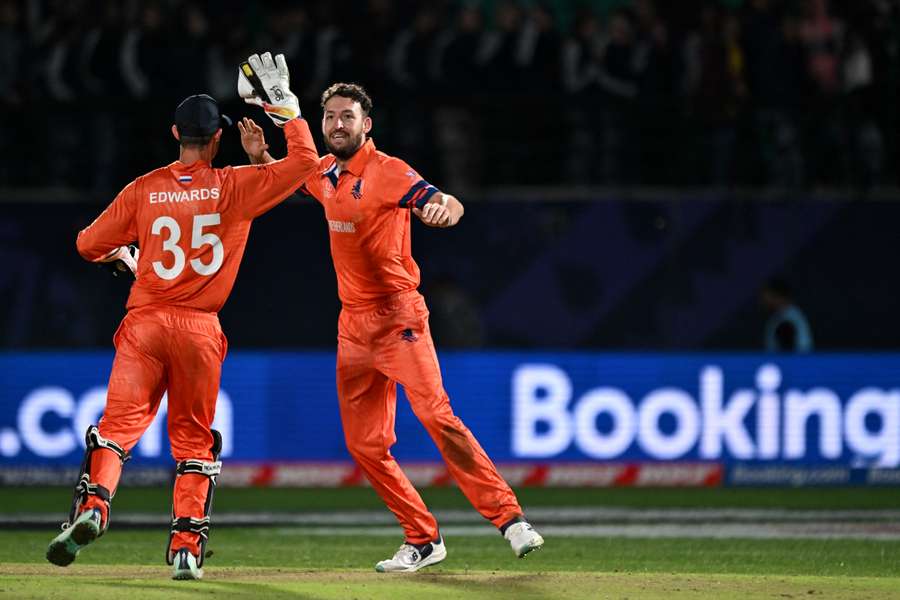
(191, 221)
(383, 333)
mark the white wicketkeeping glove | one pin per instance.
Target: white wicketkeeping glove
(266, 83)
(121, 260)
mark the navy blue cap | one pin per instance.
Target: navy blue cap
(198, 116)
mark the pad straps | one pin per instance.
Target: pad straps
(210, 469)
(93, 441)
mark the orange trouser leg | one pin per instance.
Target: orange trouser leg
(136, 385)
(412, 361)
(368, 402)
(196, 351)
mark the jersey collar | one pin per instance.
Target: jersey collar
(180, 166)
(358, 161)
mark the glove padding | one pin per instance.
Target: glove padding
(121, 262)
(266, 83)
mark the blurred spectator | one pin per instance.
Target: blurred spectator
(822, 36)
(503, 84)
(655, 64)
(333, 58)
(877, 22)
(231, 43)
(104, 84)
(455, 64)
(12, 53)
(483, 92)
(12, 42)
(145, 53)
(867, 148)
(189, 49)
(786, 329)
(617, 78)
(455, 74)
(57, 86)
(537, 52)
(371, 38)
(409, 67)
(580, 72)
(775, 79)
(537, 60)
(287, 31)
(715, 90)
(409, 56)
(148, 63)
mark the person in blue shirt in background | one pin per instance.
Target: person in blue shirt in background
(787, 329)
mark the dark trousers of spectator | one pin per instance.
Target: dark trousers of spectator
(779, 148)
(826, 148)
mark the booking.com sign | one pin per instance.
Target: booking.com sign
(830, 409)
(53, 403)
(766, 422)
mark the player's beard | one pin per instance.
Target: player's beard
(349, 149)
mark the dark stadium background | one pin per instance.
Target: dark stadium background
(633, 171)
(618, 160)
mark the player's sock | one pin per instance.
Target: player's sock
(510, 523)
(412, 557)
(84, 530)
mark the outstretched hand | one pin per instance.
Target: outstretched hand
(253, 140)
(434, 214)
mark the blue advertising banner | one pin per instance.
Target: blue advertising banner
(735, 409)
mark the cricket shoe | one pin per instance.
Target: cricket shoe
(523, 538)
(65, 547)
(412, 557)
(184, 566)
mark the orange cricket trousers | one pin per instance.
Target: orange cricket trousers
(381, 346)
(160, 348)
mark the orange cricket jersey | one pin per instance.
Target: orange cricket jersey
(192, 221)
(367, 205)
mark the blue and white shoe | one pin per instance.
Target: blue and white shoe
(523, 538)
(185, 566)
(65, 547)
(412, 557)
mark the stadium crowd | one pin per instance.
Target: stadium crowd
(783, 93)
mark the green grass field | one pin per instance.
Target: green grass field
(295, 562)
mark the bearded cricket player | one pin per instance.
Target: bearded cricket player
(383, 333)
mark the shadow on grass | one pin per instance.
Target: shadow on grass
(517, 586)
(217, 590)
(496, 586)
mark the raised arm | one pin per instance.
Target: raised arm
(259, 187)
(266, 83)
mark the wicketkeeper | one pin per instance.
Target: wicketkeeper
(191, 222)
